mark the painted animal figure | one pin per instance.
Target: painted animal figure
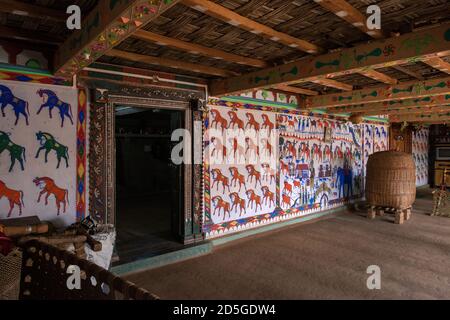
(16, 152)
(238, 150)
(267, 124)
(218, 119)
(218, 177)
(267, 146)
(251, 122)
(285, 201)
(377, 132)
(48, 143)
(305, 151)
(338, 152)
(219, 147)
(48, 187)
(383, 132)
(236, 177)
(287, 188)
(253, 198)
(235, 121)
(15, 197)
(220, 204)
(253, 173)
(327, 153)
(237, 203)
(289, 148)
(19, 106)
(51, 101)
(268, 196)
(268, 173)
(284, 167)
(316, 151)
(345, 178)
(297, 183)
(252, 149)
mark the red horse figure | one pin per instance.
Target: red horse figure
(49, 188)
(15, 197)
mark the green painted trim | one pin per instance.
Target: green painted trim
(259, 102)
(164, 259)
(274, 226)
(19, 69)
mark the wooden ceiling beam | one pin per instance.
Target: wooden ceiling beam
(108, 23)
(378, 76)
(333, 84)
(443, 117)
(374, 55)
(176, 64)
(346, 11)
(412, 110)
(29, 35)
(410, 90)
(30, 10)
(438, 63)
(217, 11)
(408, 72)
(197, 49)
(381, 107)
(297, 90)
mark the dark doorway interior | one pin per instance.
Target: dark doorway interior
(148, 184)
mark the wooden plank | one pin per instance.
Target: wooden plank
(176, 64)
(333, 84)
(217, 11)
(198, 49)
(380, 107)
(30, 10)
(378, 76)
(438, 64)
(399, 50)
(410, 90)
(297, 90)
(109, 23)
(346, 11)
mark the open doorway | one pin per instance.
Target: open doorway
(149, 187)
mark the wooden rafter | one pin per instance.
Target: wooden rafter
(378, 54)
(376, 75)
(176, 64)
(333, 84)
(438, 64)
(109, 23)
(232, 18)
(346, 11)
(297, 90)
(198, 49)
(410, 90)
(408, 72)
(30, 10)
(381, 107)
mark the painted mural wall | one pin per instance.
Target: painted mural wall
(40, 149)
(420, 155)
(308, 164)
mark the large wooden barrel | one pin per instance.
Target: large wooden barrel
(391, 179)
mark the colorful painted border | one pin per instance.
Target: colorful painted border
(81, 154)
(29, 76)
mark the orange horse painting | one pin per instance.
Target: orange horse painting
(15, 197)
(49, 188)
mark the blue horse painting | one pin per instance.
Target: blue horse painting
(20, 106)
(345, 178)
(51, 101)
